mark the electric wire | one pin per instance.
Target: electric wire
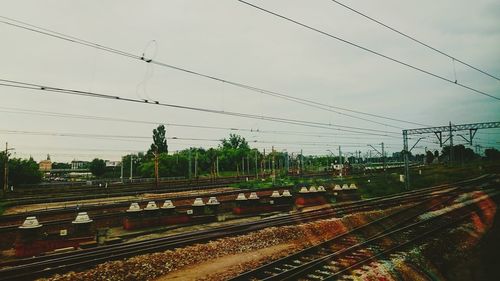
(310, 103)
(415, 40)
(131, 137)
(247, 130)
(473, 90)
(31, 86)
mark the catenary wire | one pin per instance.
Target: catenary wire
(310, 103)
(414, 39)
(473, 90)
(251, 130)
(31, 86)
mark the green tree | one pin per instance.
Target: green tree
(159, 141)
(436, 154)
(21, 171)
(211, 156)
(137, 161)
(429, 157)
(97, 167)
(461, 154)
(492, 154)
(2, 161)
(235, 142)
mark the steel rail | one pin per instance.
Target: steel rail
(347, 252)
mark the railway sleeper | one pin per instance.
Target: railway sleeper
(315, 277)
(331, 267)
(289, 266)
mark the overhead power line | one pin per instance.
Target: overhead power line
(473, 90)
(130, 137)
(415, 40)
(37, 87)
(247, 130)
(310, 103)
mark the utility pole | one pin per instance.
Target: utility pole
(242, 165)
(256, 165)
(121, 174)
(340, 155)
(406, 155)
(196, 165)
(217, 166)
(264, 163)
(383, 156)
(248, 165)
(273, 168)
(189, 163)
(157, 176)
(6, 169)
(287, 163)
(131, 161)
(301, 161)
(451, 145)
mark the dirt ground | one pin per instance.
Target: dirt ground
(216, 268)
(223, 258)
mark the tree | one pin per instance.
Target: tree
(212, 158)
(492, 154)
(97, 167)
(235, 142)
(21, 171)
(159, 144)
(461, 154)
(436, 154)
(429, 157)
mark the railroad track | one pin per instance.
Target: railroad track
(339, 256)
(82, 192)
(11, 222)
(96, 194)
(8, 231)
(32, 268)
(17, 218)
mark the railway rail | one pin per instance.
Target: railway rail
(60, 194)
(16, 218)
(31, 268)
(342, 254)
(11, 222)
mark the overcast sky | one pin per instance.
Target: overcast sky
(233, 41)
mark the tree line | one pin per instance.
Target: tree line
(232, 156)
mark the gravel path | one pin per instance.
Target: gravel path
(156, 265)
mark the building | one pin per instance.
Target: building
(45, 165)
(76, 164)
(110, 163)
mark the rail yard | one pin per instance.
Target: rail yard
(381, 229)
(246, 140)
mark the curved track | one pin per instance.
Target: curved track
(333, 259)
(46, 265)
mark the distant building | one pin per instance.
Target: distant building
(45, 165)
(113, 163)
(76, 164)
